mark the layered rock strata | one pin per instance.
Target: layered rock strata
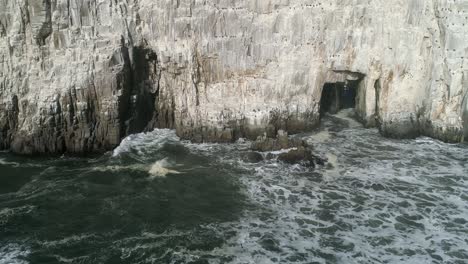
(79, 75)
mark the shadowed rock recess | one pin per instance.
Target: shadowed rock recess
(77, 76)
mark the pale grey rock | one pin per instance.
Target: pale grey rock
(78, 75)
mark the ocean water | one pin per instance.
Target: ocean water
(157, 199)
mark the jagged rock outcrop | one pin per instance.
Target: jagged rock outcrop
(289, 150)
(78, 75)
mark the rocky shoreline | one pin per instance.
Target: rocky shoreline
(77, 77)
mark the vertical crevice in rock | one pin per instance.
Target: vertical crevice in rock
(85, 120)
(196, 76)
(377, 117)
(43, 22)
(59, 128)
(2, 29)
(154, 121)
(142, 91)
(165, 111)
(88, 134)
(71, 107)
(8, 122)
(465, 117)
(124, 88)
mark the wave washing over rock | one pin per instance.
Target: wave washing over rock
(378, 200)
(78, 76)
(155, 88)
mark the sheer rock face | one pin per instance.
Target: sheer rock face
(78, 75)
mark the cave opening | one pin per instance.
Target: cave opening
(337, 96)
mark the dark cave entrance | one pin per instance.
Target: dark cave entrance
(337, 96)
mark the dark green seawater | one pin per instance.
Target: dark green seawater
(156, 199)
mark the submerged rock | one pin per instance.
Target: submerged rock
(269, 243)
(252, 157)
(301, 155)
(291, 150)
(297, 155)
(282, 141)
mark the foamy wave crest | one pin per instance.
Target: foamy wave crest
(68, 240)
(161, 168)
(9, 163)
(143, 142)
(7, 213)
(117, 168)
(15, 164)
(320, 137)
(13, 253)
(379, 201)
(347, 114)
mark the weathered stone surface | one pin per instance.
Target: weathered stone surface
(78, 75)
(294, 151)
(281, 141)
(298, 155)
(252, 157)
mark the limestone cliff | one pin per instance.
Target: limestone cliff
(78, 75)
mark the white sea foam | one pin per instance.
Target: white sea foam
(161, 169)
(390, 204)
(15, 164)
(7, 213)
(8, 163)
(13, 253)
(68, 240)
(143, 142)
(117, 168)
(332, 168)
(347, 114)
(281, 151)
(379, 201)
(320, 137)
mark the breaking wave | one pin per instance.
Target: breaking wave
(13, 253)
(144, 143)
(161, 168)
(377, 200)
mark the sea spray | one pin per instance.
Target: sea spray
(143, 143)
(379, 200)
(161, 168)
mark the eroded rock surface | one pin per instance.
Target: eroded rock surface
(280, 141)
(79, 75)
(286, 149)
(252, 157)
